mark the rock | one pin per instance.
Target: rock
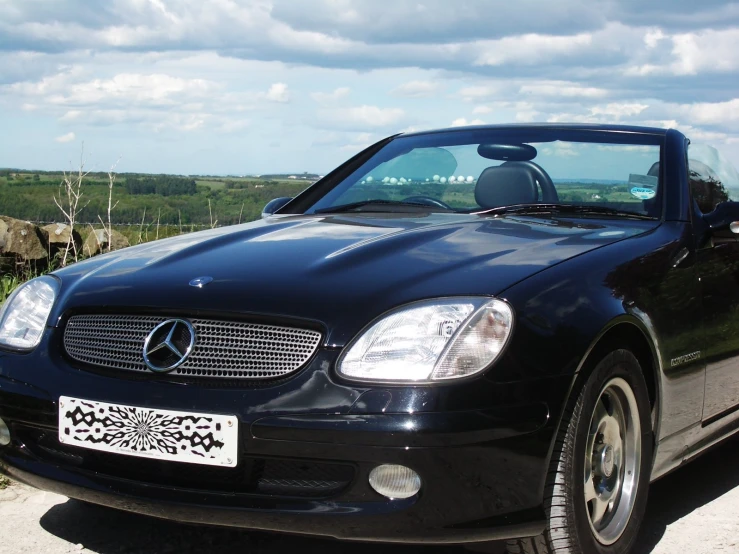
(97, 242)
(23, 240)
(59, 236)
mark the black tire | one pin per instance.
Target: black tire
(569, 522)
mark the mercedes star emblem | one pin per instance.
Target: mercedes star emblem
(169, 345)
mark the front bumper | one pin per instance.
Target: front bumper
(482, 469)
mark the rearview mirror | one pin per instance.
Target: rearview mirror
(724, 222)
(274, 205)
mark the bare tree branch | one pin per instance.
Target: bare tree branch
(111, 182)
(71, 188)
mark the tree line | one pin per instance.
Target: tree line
(164, 185)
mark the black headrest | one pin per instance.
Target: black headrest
(506, 185)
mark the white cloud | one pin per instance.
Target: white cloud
(653, 37)
(330, 97)
(530, 48)
(183, 122)
(562, 88)
(478, 92)
(358, 143)
(508, 111)
(323, 138)
(69, 137)
(417, 89)
(68, 88)
(642, 70)
(362, 117)
(664, 123)
(462, 122)
(527, 116)
(707, 51)
(716, 113)
(278, 92)
(619, 109)
(71, 115)
(567, 149)
(153, 89)
(156, 101)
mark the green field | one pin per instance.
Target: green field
(212, 185)
(166, 199)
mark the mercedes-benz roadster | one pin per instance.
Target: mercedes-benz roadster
(457, 336)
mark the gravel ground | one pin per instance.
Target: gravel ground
(692, 510)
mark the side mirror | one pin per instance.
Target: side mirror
(724, 222)
(274, 205)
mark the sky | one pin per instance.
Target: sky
(249, 87)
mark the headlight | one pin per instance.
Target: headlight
(23, 316)
(430, 341)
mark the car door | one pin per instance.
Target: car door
(712, 181)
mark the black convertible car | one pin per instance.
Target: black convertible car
(457, 336)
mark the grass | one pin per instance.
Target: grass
(213, 185)
(4, 482)
(8, 283)
(11, 281)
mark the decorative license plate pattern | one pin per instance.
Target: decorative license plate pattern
(205, 439)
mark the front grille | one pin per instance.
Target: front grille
(253, 475)
(223, 349)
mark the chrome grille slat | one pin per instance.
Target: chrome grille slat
(223, 349)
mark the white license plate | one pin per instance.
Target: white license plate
(193, 438)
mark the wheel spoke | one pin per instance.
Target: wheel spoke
(611, 429)
(600, 507)
(596, 428)
(590, 493)
(618, 454)
(589, 449)
(600, 414)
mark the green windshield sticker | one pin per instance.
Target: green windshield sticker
(643, 193)
(643, 187)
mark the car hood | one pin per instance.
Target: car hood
(339, 271)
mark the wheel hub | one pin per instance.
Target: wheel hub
(606, 461)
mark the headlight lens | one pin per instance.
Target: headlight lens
(23, 316)
(430, 341)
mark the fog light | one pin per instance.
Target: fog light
(4, 434)
(395, 481)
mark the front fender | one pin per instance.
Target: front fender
(648, 282)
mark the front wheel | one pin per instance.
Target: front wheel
(596, 490)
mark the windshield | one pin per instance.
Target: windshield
(471, 171)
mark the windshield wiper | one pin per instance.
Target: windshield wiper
(563, 209)
(362, 204)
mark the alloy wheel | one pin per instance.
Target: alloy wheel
(612, 461)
